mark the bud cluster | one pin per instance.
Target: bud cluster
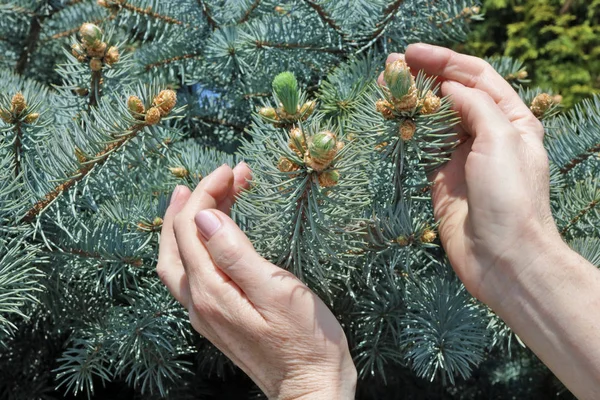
(427, 236)
(289, 111)
(316, 152)
(280, 117)
(402, 95)
(92, 49)
(162, 104)
(18, 111)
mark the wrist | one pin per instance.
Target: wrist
(317, 385)
(521, 267)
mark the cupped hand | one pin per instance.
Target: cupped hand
(492, 198)
(259, 315)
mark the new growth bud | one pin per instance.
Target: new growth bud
(308, 108)
(430, 104)
(385, 108)
(286, 90)
(297, 142)
(329, 178)
(428, 236)
(31, 118)
(268, 113)
(540, 104)
(136, 106)
(407, 129)
(78, 52)
(180, 172)
(286, 165)
(97, 50)
(152, 116)
(112, 55)
(165, 101)
(90, 34)
(95, 64)
(398, 78)
(321, 150)
(18, 104)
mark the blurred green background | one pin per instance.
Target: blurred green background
(558, 40)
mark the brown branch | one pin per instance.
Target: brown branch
(298, 46)
(18, 147)
(207, 14)
(95, 88)
(30, 44)
(81, 173)
(249, 11)
(170, 60)
(148, 12)
(388, 14)
(326, 18)
(218, 121)
(579, 159)
(579, 215)
(33, 37)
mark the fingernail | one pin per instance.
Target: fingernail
(176, 193)
(208, 223)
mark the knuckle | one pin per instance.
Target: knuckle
(202, 307)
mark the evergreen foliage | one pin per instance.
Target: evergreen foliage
(558, 41)
(93, 140)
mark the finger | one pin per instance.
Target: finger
(241, 181)
(480, 116)
(169, 268)
(232, 253)
(475, 73)
(211, 191)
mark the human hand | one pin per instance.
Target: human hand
(259, 315)
(492, 198)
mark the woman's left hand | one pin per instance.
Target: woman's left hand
(262, 317)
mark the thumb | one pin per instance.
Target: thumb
(232, 252)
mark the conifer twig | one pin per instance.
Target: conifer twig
(148, 12)
(590, 206)
(99, 159)
(218, 121)
(30, 44)
(388, 16)
(170, 60)
(18, 146)
(299, 46)
(580, 158)
(248, 12)
(95, 88)
(208, 15)
(326, 18)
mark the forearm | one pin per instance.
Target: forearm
(554, 308)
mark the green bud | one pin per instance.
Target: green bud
(285, 87)
(323, 147)
(90, 34)
(398, 78)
